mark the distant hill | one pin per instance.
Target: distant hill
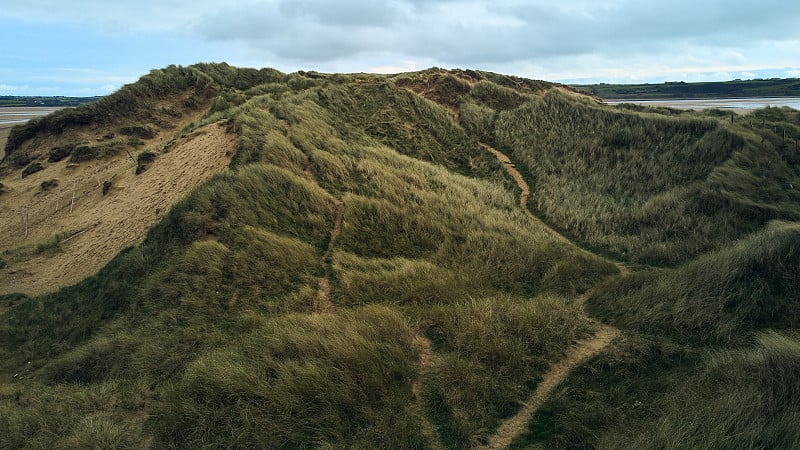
(34, 101)
(222, 257)
(789, 87)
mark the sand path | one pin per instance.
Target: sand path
(580, 352)
(510, 167)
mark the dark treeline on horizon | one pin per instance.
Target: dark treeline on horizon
(34, 101)
(774, 87)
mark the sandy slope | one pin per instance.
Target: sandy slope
(99, 226)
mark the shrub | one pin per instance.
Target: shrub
(138, 131)
(31, 169)
(59, 153)
(143, 160)
(18, 159)
(83, 153)
(49, 184)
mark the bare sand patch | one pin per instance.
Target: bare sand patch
(97, 227)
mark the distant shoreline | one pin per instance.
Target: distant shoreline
(739, 104)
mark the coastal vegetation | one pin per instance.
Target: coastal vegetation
(364, 276)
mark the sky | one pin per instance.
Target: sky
(93, 47)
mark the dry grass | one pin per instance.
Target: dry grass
(210, 332)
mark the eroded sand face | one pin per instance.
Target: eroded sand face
(100, 225)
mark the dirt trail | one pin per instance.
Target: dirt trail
(512, 170)
(425, 356)
(579, 354)
(425, 360)
(97, 227)
(323, 302)
(523, 203)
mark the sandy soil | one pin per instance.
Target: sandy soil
(96, 227)
(737, 105)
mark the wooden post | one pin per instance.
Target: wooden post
(72, 205)
(731, 116)
(26, 222)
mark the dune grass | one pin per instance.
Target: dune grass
(744, 398)
(209, 333)
(720, 297)
(211, 322)
(646, 187)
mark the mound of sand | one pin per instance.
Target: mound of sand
(96, 227)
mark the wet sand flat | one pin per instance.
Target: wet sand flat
(741, 105)
(14, 115)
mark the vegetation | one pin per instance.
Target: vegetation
(31, 169)
(647, 187)
(789, 87)
(363, 275)
(143, 160)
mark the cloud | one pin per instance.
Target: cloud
(10, 89)
(403, 66)
(553, 40)
(475, 32)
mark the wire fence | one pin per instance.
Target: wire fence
(68, 199)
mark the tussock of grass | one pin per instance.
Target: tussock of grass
(491, 352)
(743, 399)
(338, 381)
(40, 416)
(720, 297)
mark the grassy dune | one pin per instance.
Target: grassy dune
(448, 303)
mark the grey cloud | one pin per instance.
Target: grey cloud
(478, 31)
(458, 32)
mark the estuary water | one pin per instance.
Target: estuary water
(736, 104)
(10, 116)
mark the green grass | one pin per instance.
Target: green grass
(622, 388)
(744, 398)
(645, 187)
(209, 333)
(721, 297)
(490, 353)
